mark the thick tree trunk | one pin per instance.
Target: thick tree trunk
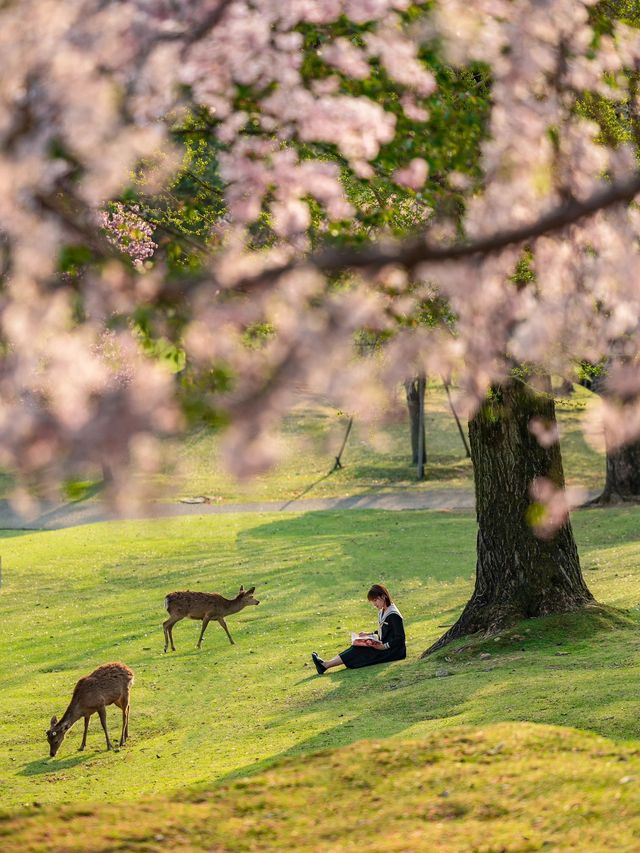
(517, 575)
(623, 475)
(414, 400)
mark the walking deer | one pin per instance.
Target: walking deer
(109, 684)
(205, 606)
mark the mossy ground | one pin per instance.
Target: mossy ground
(219, 720)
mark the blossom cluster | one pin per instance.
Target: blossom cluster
(88, 92)
(127, 230)
(540, 154)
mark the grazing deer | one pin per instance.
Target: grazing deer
(205, 606)
(109, 684)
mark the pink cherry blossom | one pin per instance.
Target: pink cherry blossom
(413, 175)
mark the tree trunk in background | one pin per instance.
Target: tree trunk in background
(564, 389)
(412, 388)
(107, 474)
(517, 575)
(623, 475)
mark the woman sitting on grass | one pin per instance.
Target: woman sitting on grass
(366, 650)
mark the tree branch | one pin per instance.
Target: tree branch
(207, 24)
(199, 31)
(157, 223)
(207, 186)
(416, 250)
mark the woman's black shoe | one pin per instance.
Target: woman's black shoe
(318, 662)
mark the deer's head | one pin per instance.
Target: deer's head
(55, 735)
(246, 596)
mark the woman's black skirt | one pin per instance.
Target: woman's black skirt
(356, 656)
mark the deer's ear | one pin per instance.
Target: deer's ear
(241, 588)
(250, 591)
(54, 720)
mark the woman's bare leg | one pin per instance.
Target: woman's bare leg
(336, 661)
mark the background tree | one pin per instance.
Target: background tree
(415, 391)
(622, 457)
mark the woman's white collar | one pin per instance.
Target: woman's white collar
(382, 614)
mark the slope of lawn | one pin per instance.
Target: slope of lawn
(501, 788)
(73, 599)
(376, 458)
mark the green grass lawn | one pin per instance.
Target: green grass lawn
(495, 789)
(73, 599)
(376, 458)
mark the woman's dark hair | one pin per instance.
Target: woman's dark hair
(379, 591)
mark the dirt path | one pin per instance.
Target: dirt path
(57, 516)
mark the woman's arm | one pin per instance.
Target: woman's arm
(365, 639)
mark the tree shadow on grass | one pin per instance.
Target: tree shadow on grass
(404, 473)
(599, 529)
(53, 516)
(12, 532)
(579, 691)
(455, 470)
(350, 689)
(568, 670)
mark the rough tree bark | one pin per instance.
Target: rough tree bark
(517, 575)
(412, 389)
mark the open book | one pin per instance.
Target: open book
(357, 640)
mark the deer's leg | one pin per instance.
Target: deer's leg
(102, 713)
(224, 625)
(167, 627)
(123, 733)
(86, 729)
(126, 727)
(123, 704)
(205, 622)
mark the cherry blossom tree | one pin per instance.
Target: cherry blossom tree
(88, 100)
(94, 98)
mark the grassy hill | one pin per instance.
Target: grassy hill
(502, 788)
(224, 715)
